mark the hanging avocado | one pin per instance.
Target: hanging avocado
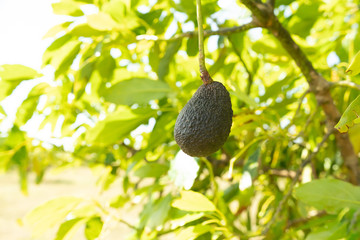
(203, 125)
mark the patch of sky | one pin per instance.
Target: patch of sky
(332, 59)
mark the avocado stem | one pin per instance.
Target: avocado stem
(204, 74)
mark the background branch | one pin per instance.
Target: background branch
(207, 33)
(265, 17)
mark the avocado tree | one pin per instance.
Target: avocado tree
(124, 69)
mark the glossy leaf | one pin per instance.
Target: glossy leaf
(117, 125)
(329, 194)
(350, 116)
(193, 202)
(354, 67)
(136, 90)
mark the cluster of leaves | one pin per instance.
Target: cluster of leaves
(123, 71)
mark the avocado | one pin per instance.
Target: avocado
(203, 125)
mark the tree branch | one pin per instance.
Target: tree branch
(295, 180)
(207, 33)
(264, 17)
(345, 84)
(282, 173)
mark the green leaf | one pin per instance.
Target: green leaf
(244, 97)
(171, 50)
(50, 214)
(155, 212)
(193, 202)
(93, 228)
(20, 158)
(119, 201)
(120, 12)
(354, 67)
(102, 22)
(159, 212)
(269, 45)
(350, 116)
(117, 125)
(192, 47)
(136, 90)
(333, 231)
(68, 229)
(84, 30)
(7, 87)
(193, 232)
(67, 7)
(28, 106)
(17, 72)
(65, 57)
(329, 194)
(56, 29)
(5, 158)
(150, 170)
(183, 170)
(162, 131)
(106, 66)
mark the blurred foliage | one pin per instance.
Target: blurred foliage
(120, 79)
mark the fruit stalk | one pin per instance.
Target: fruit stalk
(204, 74)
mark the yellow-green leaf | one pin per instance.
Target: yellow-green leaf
(67, 8)
(117, 125)
(50, 214)
(193, 232)
(354, 67)
(68, 229)
(136, 90)
(350, 116)
(194, 202)
(17, 72)
(102, 21)
(56, 29)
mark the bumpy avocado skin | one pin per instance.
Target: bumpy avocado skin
(203, 125)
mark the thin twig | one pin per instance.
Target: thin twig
(301, 221)
(301, 99)
(345, 84)
(307, 123)
(294, 181)
(282, 173)
(245, 66)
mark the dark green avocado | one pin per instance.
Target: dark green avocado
(203, 125)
